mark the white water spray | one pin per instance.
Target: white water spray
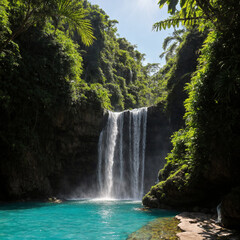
(121, 155)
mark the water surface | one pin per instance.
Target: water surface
(82, 219)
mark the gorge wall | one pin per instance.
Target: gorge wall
(165, 118)
(202, 170)
(64, 162)
(158, 143)
(57, 139)
(63, 159)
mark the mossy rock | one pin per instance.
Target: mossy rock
(177, 191)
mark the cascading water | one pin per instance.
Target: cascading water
(121, 155)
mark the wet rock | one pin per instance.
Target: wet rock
(54, 200)
(173, 192)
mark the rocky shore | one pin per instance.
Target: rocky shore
(199, 226)
(185, 226)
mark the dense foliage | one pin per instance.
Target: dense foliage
(116, 65)
(212, 111)
(181, 56)
(58, 56)
(204, 161)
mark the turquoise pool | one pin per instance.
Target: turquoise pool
(82, 219)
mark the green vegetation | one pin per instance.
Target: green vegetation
(63, 54)
(171, 50)
(31, 13)
(211, 109)
(58, 57)
(116, 65)
(181, 63)
(208, 147)
(108, 61)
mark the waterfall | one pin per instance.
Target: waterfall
(121, 155)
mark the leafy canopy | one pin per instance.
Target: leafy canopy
(67, 13)
(72, 13)
(219, 13)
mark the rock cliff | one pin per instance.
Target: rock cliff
(63, 158)
(158, 143)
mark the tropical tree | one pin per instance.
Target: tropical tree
(170, 51)
(32, 12)
(198, 12)
(72, 13)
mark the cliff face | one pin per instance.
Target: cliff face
(204, 188)
(76, 145)
(57, 153)
(158, 143)
(60, 161)
(164, 120)
(185, 66)
(203, 168)
(63, 160)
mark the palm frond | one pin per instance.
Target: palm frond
(171, 5)
(172, 48)
(179, 39)
(167, 41)
(72, 13)
(162, 54)
(178, 32)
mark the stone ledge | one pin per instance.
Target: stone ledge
(199, 226)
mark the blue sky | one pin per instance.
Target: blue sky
(136, 18)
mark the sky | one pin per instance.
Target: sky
(136, 18)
